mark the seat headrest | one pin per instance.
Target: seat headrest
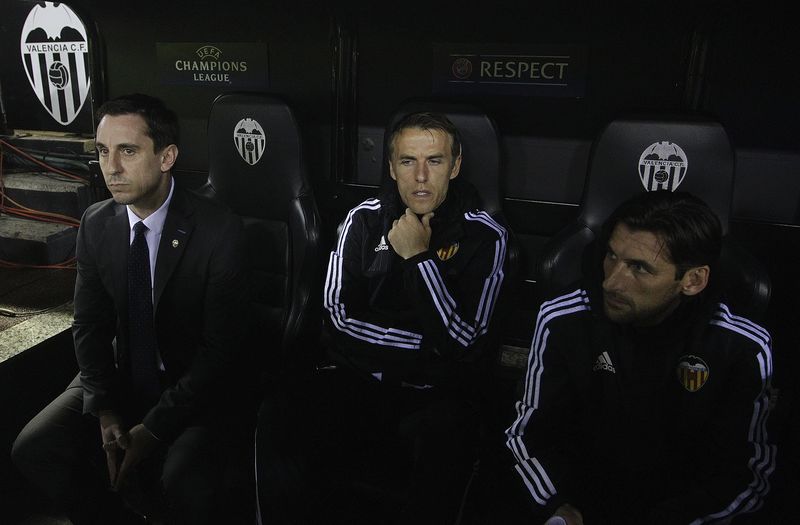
(255, 155)
(480, 162)
(632, 154)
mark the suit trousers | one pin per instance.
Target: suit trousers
(60, 452)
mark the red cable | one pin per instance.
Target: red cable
(23, 211)
(40, 218)
(29, 213)
(69, 264)
(19, 209)
(42, 163)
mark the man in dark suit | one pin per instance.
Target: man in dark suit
(159, 331)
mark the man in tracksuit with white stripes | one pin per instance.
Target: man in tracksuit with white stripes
(411, 289)
(646, 396)
(415, 275)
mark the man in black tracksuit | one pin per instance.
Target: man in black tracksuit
(646, 397)
(411, 288)
(414, 319)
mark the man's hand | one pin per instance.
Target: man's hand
(137, 444)
(110, 432)
(568, 513)
(410, 236)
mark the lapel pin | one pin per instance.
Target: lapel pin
(175, 243)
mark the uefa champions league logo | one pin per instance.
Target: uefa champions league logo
(250, 140)
(55, 54)
(662, 166)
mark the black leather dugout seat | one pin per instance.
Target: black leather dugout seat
(632, 155)
(256, 167)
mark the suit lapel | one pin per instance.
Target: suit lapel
(178, 227)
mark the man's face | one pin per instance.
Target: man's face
(422, 165)
(639, 285)
(134, 173)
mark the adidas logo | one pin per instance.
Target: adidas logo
(382, 245)
(604, 363)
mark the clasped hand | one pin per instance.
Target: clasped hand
(410, 235)
(568, 514)
(124, 449)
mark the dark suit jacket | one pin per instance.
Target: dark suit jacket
(200, 307)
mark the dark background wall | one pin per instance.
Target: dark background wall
(345, 66)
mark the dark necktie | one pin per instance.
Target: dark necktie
(142, 338)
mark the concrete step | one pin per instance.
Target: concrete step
(24, 241)
(47, 192)
(72, 145)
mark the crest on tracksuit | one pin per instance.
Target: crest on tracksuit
(692, 372)
(663, 166)
(55, 54)
(250, 140)
(447, 252)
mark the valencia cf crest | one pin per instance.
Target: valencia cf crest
(55, 54)
(692, 372)
(250, 140)
(663, 166)
(446, 253)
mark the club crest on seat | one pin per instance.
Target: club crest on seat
(55, 55)
(663, 166)
(250, 140)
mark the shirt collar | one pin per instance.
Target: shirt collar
(154, 221)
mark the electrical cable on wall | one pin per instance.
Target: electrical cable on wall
(11, 207)
(40, 163)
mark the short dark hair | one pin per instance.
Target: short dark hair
(426, 121)
(162, 122)
(691, 231)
